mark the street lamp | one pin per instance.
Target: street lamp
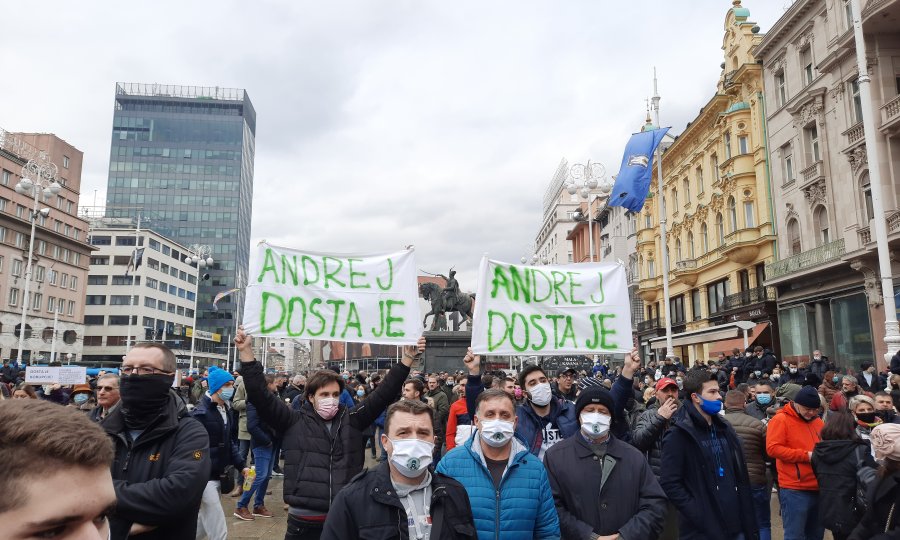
(38, 178)
(201, 257)
(591, 176)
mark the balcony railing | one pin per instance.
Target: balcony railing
(805, 260)
(749, 297)
(855, 133)
(812, 173)
(890, 111)
(650, 324)
(865, 236)
(685, 265)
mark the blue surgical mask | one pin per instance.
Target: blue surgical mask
(835, 380)
(763, 399)
(360, 392)
(227, 393)
(710, 407)
(80, 399)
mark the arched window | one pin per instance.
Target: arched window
(690, 246)
(793, 230)
(674, 200)
(677, 249)
(732, 214)
(720, 229)
(820, 218)
(686, 188)
(866, 188)
(704, 238)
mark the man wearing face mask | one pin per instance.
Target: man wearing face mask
(213, 412)
(764, 399)
(161, 463)
(884, 407)
(322, 441)
(703, 469)
(626, 499)
(507, 486)
(401, 498)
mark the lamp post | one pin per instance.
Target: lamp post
(590, 176)
(201, 257)
(38, 178)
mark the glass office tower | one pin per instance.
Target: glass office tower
(182, 157)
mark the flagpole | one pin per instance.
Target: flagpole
(670, 350)
(133, 279)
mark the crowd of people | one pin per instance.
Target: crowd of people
(640, 451)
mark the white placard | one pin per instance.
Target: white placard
(551, 310)
(72, 375)
(335, 297)
(41, 375)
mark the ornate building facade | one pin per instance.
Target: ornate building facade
(829, 297)
(718, 206)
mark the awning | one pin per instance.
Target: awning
(724, 332)
(725, 346)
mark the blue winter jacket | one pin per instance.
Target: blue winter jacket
(525, 508)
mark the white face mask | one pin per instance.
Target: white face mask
(595, 425)
(541, 394)
(411, 456)
(496, 433)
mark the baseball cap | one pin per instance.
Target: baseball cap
(562, 371)
(664, 382)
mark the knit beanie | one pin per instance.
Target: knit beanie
(808, 397)
(217, 378)
(593, 394)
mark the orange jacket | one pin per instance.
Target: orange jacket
(789, 440)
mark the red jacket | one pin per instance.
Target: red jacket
(789, 440)
(457, 409)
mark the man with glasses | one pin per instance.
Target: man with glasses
(107, 396)
(161, 460)
(564, 387)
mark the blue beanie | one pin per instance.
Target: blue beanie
(217, 379)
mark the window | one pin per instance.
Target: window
(720, 229)
(732, 214)
(651, 268)
(93, 341)
(13, 297)
(686, 188)
(149, 302)
(704, 238)
(95, 300)
(716, 293)
(726, 139)
(690, 246)
(676, 309)
(806, 64)
(678, 249)
(744, 280)
(812, 143)
(821, 220)
(699, 176)
(51, 304)
(749, 215)
(17, 267)
(65, 162)
(98, 261)
(101, 240)
(20, 211)
(848, 15)
(793, 228)
(648, 220)
(154, 245)
(19, 240)
(74, 283)
(4, 179)
(36, 301)
(126, 241)
(856, 113)
(3, 234)
(161, 305)
(39, 273)
(122, 280)
(64, 281)
(116, 341)
(867, 198)
(674, 200)
(743, 146)
(696, 307)
(97, 280)
(121, 260)
(787, 164)
(780, 89)
(93, 319)
(120, 320)
(714, 163)
(71, 308)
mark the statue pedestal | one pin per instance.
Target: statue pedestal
(444, 351)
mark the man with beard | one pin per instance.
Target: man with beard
(161, 460)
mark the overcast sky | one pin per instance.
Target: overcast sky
(381, 124)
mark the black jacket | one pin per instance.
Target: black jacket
(688, 476)
(319, 461)
(621, 494)
(865, 386)
(883, 496)
(8, 374)
(261, 434)
(767, 362)
(223, 450)
(895, 364)
(159, 479)
(293, 391)
(648, 435)
(369, 508)
(836, 464)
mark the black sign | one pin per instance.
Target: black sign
(578, 363)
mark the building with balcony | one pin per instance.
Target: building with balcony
(718, 210)
(829, 297)
(60, 257)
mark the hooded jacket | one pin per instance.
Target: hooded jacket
(370, 508)
(319, 461)
(789, 440)
(836, 465)
(159, 479)
(523, 505)
(689, 477)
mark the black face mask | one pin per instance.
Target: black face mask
(143, 398)
(867, 417)
(887, 416)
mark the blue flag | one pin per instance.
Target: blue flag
(633, 181)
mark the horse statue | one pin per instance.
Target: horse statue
(431, 292)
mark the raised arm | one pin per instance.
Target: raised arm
(369, 410)
(270, 409)
(473, 383)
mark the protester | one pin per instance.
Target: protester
(8, 373)
(763, 399)
(626, 498)
(161, 462)
(82, 398)
(296, 388)
(884, 407)
(324, 434)
(441, 409)
(402, 490)
(849, 388)
(703, 468)
(56, 482)
(459, 423)
(564, 386)
(107, 396)
(863, 409)
(868, 379)
(790, 439)
(882, 515)
(655, 421)
(24, 391)
(239, 409)
(413, 390)
(752, 434)
(212, 412)
(264, 441)
(507, 486)
(830, 386)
